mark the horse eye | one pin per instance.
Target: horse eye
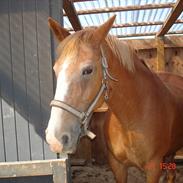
(86, 71)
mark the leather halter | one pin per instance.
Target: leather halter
(84, 117)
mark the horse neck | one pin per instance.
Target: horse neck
(126, 95)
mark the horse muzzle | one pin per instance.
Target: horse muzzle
(65, 145)
(54, 144)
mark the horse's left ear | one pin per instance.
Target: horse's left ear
(102, 31)
(59, 32)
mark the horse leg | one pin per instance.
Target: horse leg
(168, 177)
(153, 174)
(119, 169)
(163, 178)
(170, 173)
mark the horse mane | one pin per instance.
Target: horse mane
(69, 46)
(123, 51)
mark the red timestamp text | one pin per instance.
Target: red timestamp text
(162, 166)
(167, 166)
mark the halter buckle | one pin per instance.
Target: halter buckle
(90, 134)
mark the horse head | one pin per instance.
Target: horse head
(80, 72)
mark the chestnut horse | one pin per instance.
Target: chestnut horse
(147, 121)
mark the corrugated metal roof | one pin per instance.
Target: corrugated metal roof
(123, 17)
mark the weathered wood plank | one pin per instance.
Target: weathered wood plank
(72, 15)
(32, 78)
(160, 54)
(45, 67)
(55, 10)
(55, 13)
(2, 151)
(30, 179)
(59, 173)
(177, 10)
(125, 8)
(7, 84)
(173, 41)
(135, 24)
(169, 42)
(124, 36)
(34, 168)
(19, 81)
(179, 157)
(78, 162)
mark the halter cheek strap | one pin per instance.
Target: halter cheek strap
(84, 117)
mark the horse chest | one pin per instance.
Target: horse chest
(135, 149)
(128, 147)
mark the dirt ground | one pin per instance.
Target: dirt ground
(101, 174)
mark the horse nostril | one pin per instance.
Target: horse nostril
(65, 139)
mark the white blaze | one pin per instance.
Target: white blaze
(54, 124)
(62, 83)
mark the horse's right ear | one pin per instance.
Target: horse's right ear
(102, 31)
(59, 32)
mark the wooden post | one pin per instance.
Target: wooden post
(58, 168)
(160, 54)
(175, 13)
(72, 15)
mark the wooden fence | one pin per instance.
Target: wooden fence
(57, 170)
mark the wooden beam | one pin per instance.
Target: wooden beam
(72, 15)
(136, 35)
(160, 54)
(125, 8)
(177, 10)
(146, 34)
(148, 44)
(135, 24)
(179, 157)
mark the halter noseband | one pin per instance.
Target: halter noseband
(84, 117)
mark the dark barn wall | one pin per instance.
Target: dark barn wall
(26, 77)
